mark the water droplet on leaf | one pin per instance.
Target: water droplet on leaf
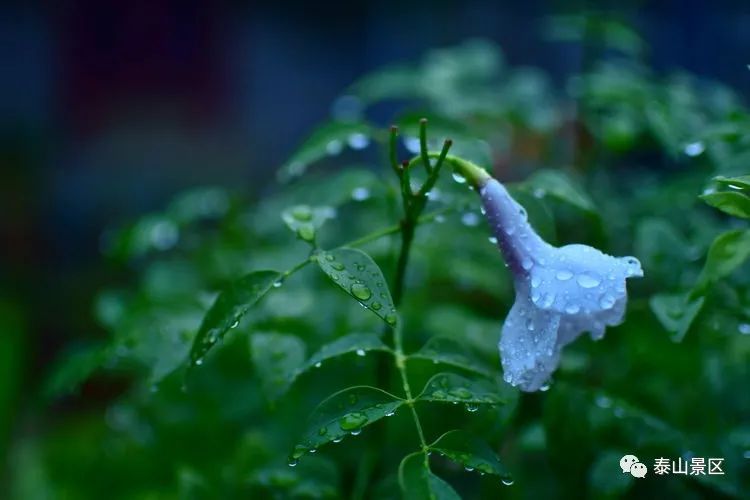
(362, 292)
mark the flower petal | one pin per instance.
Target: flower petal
(578, 279)
(528, 345)
(508, 220)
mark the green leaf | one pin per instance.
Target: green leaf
(276, 357)
(228, 309)
(453, 388)
(345, 412)
(468, 450)
(304, 220)
(603, 481)
(738, 182)
(327, 140)
(728, 251)
(74, 368)
(358, 275)
(418, 481)
(396, 82)
(732, 202)
(360, 343)
(447, 351)
(558, 185)
(676, 312)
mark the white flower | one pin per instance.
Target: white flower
(560, 292)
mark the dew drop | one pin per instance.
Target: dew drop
(483, 210)
(356, 432)
(277, 283)
(572, 308)
(312, 450)
(292, 462)
(330, 258)
(460, 392)
(607, 301)
(603, 401)
(563, 275)
(352, 421)
(334, 147)
(302, 213)
(535, 282)
(338, 439)
(199, 361)
(306, 232)
(360, 352)
(358, 141)
(468, 468)
(338, 266)
(472, 407)
(526, 263)
(375, 306)
(459, 178)
(694, 148)
(493, 240)
(587, 281)
(507, 482)
(412, 144)
(235, 324)
(322, 431)
(539, 193)
(391, 318)
(549, 299)
(470, 219)
(544, 387)
(390, 413)
(360, 194)
(362, 292)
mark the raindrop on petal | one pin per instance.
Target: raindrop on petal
(563, 275)
(587, 281)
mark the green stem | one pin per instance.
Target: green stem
(401, 367)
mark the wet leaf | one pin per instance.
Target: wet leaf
(327, 140)
(417, 480)
(276, 358)
(395, 82)
(453, 388)
(358, 275)
(728, 252)
(228, 309)
(468, 450)
(304, 220)
(558, 185)
(359, 343)
(731, 202)
(74, 367)
(738, 182)
(676, 312)
(447, 351)
(345, 413)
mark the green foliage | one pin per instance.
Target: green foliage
(203, 415)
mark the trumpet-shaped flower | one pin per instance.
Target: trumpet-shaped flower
(561, 292)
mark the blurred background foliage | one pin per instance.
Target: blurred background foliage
(616, 155)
